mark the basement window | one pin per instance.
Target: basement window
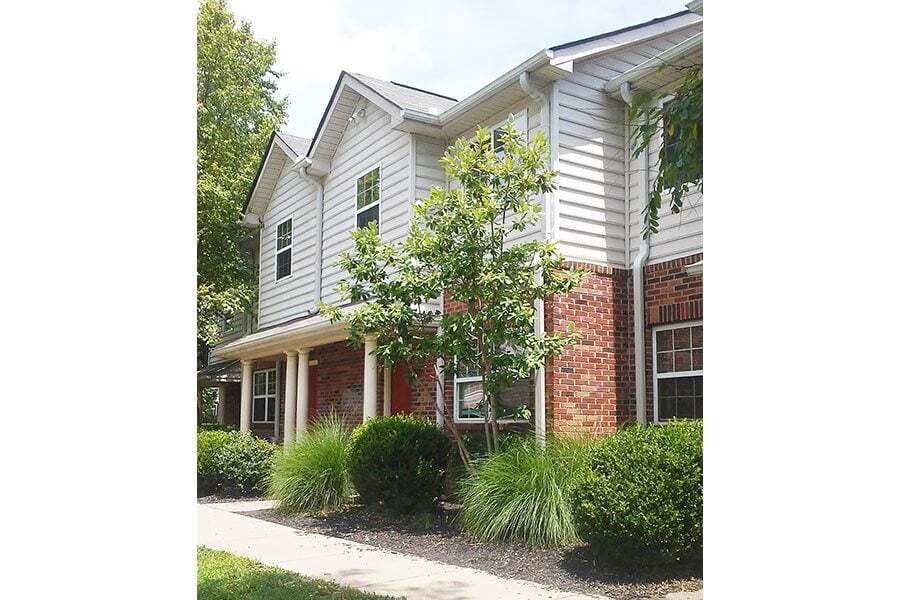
(368, 198)
(284, 242)
(678, 371)
(264, 396)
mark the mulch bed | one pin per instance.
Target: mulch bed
(571, 569)
(222, 494)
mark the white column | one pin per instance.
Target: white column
(220, 416)
(246, 394)
(279, 373)
(302, 392)
(290, 397)
(370, 379)
(540, 375)
(386, 409)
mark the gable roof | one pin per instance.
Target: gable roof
(615, 32)
(282, 147)
(407, 97)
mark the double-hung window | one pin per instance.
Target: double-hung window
(368, 198)
(284, 242)
(520, 122)
(264, 396)
(678, 371)
(468, 392)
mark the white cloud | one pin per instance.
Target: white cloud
(450, 48)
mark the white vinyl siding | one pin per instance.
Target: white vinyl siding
(287, 298)
(593, 156)
(367, 141)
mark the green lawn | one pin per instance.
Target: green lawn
(224, 576)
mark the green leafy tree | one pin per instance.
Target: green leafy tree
(679, 122)
(237, 110)
(459, 243)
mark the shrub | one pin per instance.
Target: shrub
(209, 446)
(643, 499)
(216, 427)
(244, 461)
(523, 493)
(233, 459)
(399, 460)
(312, 475)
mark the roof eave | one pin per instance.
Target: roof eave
(652, 65)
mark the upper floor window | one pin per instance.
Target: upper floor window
(368, 198)
(284, 241)
(678, 371)
(264, 396)
(468, 392)
(520, 122)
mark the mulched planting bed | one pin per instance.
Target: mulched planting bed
(226, 495)
(428, 536)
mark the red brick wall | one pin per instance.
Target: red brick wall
(589, 385)
(670, 296)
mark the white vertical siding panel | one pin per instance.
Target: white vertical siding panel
(290, 297)
(365, 144)
(594, 205)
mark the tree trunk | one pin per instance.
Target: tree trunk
(439, 403)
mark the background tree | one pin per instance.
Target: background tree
(679, 122)
(237, 110)
(459, 242)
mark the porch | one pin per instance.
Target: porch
(275, 383)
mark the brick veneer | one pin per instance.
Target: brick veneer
(589, 388)
(670, 296)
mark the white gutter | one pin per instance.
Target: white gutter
(540, 391)
(637, 273)
(302, 165)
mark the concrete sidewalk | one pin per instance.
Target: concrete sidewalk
(356, 565)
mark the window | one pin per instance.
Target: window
(284, 241)
(368, 196)
(467, 396)
(672, 138)
(519, 122)
(678, 371)
(264, 396)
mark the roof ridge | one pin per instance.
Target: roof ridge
(600, 36)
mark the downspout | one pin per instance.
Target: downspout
(302, 165)
(637, 273)
(540, 390)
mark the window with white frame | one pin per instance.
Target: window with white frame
(520, 122)
(678, 371)
(368, 198)
(468, 390)
(264, 396)
(284, 242)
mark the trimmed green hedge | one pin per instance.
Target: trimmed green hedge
(399, 460)
(237, 460)
(642, 501)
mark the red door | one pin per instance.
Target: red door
(313, 385)
(401, 394)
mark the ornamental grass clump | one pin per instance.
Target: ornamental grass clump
(524, 493)
(642, 499)
(312, 475)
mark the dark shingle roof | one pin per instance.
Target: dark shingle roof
(407, 97)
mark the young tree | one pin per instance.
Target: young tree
(679, 122)
(237, 110)
(459, 244)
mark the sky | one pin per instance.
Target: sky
(452, 48)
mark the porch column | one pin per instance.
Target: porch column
(370, 380)
(387, 391)
(302, 392)
(220, 414)
(246, 394)
(290, 397)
